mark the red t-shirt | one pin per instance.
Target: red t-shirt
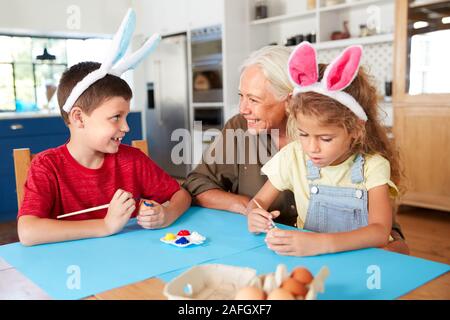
(58, 184)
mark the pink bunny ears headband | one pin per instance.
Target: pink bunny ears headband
(304, 73)
(113, 63)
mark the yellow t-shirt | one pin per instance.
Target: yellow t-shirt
(287, 170)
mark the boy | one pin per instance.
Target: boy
(94, 168)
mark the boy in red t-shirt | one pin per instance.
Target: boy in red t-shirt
(93, 168)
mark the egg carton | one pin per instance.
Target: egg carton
(222, 282)
(209, 282)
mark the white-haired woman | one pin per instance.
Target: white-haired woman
(264, 92)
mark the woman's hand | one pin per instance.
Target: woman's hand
(293, 242)
(259, 220)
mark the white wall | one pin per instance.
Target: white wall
(50, 16)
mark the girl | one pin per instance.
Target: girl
(341, 167)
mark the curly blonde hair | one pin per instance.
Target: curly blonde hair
(371, 135)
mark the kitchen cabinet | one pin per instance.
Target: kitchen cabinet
(421, 99)
(38, 134)
(320, 19)
(175, 16)
(202, 13)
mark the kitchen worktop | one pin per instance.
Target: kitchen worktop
(34, 114)
(31, 114)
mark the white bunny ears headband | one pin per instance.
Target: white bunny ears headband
(303, 71)
(112, 62)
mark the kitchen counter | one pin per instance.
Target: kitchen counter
(24, 115)
(35, 114)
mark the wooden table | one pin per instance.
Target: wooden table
(14, 285)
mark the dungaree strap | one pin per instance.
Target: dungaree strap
(313, 171)
(357, 170)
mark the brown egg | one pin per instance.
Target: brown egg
(302, 275)
(295, 287)
(280, 294)
(250, 293)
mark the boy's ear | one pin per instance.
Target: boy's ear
(76, 117)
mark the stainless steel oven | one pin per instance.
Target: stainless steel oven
(207, 76)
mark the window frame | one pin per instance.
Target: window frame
(33, 63)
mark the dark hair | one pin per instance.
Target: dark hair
(372, 137)
(101, 90)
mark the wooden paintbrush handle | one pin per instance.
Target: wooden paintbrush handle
(83, 211)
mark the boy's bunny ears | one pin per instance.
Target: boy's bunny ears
(112, 62)
(304, 73)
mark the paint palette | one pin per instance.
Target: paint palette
(183, 238)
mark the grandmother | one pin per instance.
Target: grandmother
(229, 174)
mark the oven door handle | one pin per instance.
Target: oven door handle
(207, 63)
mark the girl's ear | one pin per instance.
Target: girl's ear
(359, 131)
(340, 73)
(302, 65)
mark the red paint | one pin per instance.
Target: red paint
(184, 233)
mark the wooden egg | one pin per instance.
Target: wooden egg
(295, 287)
(302, 275)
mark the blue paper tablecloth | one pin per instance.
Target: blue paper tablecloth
(136, 254)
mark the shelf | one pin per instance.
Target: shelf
(284, 17)
(352, 41)
(422, 3)
(349, 5)
(313, 12)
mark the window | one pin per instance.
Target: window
(28, 83)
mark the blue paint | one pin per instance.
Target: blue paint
(148, 204)
(182, 240)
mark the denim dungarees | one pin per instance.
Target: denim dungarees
(337, 209)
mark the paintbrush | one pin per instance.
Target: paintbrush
(83, 211)
(104, 206)
(259, 206)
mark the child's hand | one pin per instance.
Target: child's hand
(292, 242)
(120, 209)
(152, 217)
(259, 220)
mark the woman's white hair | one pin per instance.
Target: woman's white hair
(273, 61)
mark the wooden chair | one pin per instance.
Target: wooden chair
(22, 160)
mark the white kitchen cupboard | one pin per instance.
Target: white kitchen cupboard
(174, 16)
(287, 18)
(164, 17)
(202, 13)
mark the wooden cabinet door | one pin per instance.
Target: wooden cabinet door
(421, 121)
(423, 137)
